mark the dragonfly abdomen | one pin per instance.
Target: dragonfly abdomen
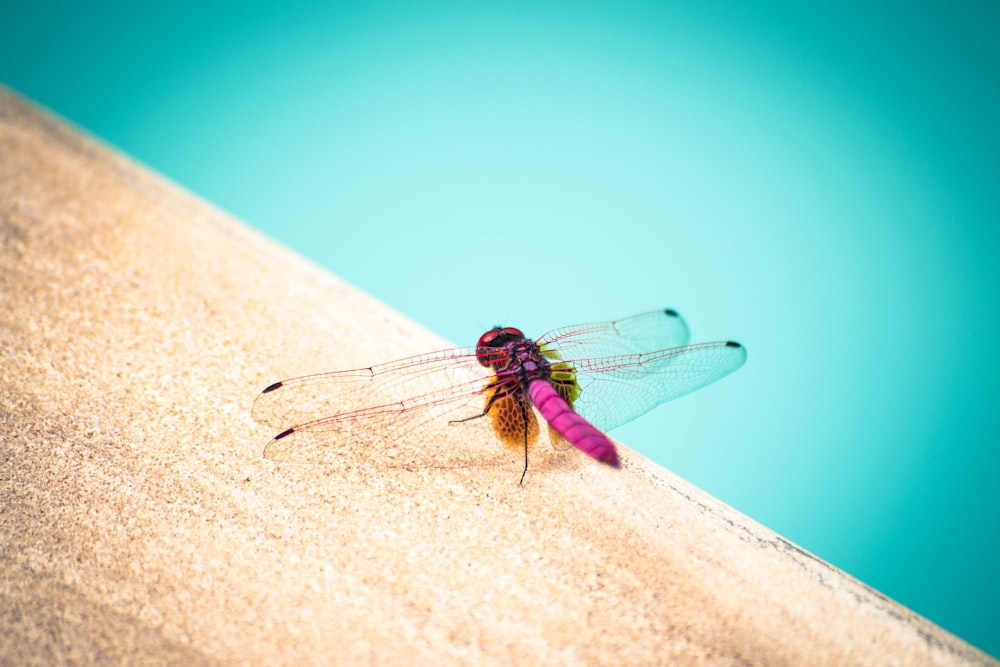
(578, 431)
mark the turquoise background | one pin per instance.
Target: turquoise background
(818, 183)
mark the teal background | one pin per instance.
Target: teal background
(818, 183)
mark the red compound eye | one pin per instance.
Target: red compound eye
(489, 349)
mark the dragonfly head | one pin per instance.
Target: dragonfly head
(490, 348)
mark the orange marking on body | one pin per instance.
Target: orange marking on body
(507, 417)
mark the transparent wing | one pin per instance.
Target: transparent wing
(614, 390)
(307, 398)
(653, 330)
(407, 405)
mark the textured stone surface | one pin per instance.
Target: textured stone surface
(140, 522)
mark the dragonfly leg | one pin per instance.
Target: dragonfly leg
(467, 419)
(524, 414)
(490, 399)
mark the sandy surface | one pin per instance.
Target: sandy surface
(139, 522)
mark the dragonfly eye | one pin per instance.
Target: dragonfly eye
(490, 348)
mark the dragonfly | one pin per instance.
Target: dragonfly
(580, 380)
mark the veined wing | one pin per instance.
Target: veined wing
(617, 389)
(381, 414)
(653, 330)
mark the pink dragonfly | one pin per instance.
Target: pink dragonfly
(582, 379)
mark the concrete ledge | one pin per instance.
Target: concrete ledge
(141, 524)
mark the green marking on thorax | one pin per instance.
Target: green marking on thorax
(563, 376)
